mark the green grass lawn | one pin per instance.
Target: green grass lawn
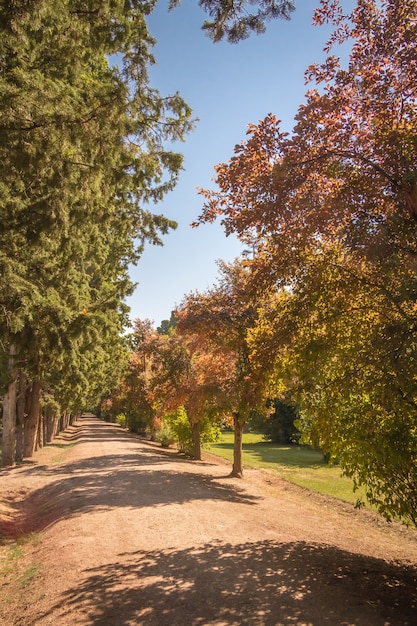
(298, 464)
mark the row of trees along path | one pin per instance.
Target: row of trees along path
(129, 533)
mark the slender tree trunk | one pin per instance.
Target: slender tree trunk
(21, 415)
(57, 424)
(40, 442)
(195, 426)
(32, 422)
(50, 421)
(9, 417)
(41, 430)
(237, 469)
(65, 417)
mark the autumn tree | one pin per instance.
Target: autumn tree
(130, 393)
(332, 208)
(221, 319)
(182, 379)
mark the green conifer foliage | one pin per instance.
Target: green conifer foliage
(82, 155)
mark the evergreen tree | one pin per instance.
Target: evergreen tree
(82, 156)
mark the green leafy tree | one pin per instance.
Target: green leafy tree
(168, 326)
(332, 211)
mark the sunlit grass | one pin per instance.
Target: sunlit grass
(300, 465)
(28, 575)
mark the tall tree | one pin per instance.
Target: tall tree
(187, 374)
(130, 392)
(333, 211)
(82, 154)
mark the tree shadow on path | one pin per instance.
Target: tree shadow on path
(131, 481)
(253, 584)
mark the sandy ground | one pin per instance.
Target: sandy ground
(125, 533)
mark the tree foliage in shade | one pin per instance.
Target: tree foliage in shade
(331, 210)
(278, 427)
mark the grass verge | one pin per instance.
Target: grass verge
(298, 464)
(17, 572)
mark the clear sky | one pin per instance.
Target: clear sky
(227, 86)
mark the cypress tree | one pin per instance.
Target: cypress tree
(82, 155)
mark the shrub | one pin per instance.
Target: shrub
(121, 420)
(165, 435)
(180, 428)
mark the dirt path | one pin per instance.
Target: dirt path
(128, 534)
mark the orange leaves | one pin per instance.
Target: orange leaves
(328, 11)
(323, 72)
(245, 179)
(350, 163)
(218, 324)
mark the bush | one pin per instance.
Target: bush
(165, 435)
(180, 428)
(121, 420)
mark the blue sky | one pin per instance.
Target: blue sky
(227, 86)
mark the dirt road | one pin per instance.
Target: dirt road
(130, 534)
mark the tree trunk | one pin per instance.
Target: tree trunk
(40, 441)
(32, 422)
(237, 469)
(195, 426)
(9, 417)
(64, 422)
(21, 415)
(50, 424)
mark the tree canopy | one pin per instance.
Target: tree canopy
(331, 212)
(83, 156)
